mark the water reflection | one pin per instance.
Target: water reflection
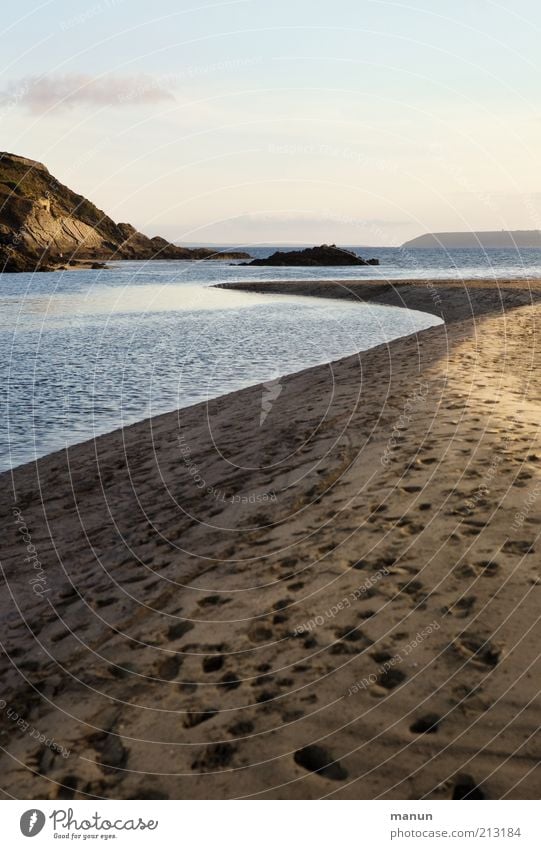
(79, 363)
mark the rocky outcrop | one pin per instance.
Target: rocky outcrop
(323, 255)
(44, 224)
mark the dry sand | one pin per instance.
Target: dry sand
(228, 605)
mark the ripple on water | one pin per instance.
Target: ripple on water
(79, 363)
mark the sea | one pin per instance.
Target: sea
(85, 352)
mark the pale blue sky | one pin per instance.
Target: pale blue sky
(352, 122)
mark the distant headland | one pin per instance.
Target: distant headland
(510, 239)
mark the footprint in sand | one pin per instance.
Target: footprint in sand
(279, 619)
(169, 667)
(230, 681)
(483, 568)
(350, 640)
(194, 718)
(386, 681)
(68, 787)
(487, 568)
(47, 761)
(260, 633)
(214, 757)
(469, 700)
(266, 696)
(113, 754)
(464, 787)
(427, 724)
(241, 728)
(376, 566)
(319, 760)
(149, 793)
(174, 632)
(282, 603)
(518, 546)
(409, 527)
(461, 608)
(213, 663)
(480, 651)
(352, 634)
(411, 592)
(213, 601)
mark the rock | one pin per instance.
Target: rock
(11, 262)
(322, 255)
(44, 224)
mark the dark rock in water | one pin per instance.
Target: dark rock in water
(323, 255)
(43, 225)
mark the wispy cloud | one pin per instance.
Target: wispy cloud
(41, 93)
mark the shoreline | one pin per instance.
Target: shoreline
(414, 293)
(258, 384)
(186, 626)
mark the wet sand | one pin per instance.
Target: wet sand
(325, 586)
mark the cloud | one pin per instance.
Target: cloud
(41, 93)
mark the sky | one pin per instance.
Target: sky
(356, 122)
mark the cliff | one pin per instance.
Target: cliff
(44, 223)
(511, 239)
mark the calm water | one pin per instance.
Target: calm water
(85, 352)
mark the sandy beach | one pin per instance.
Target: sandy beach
(325, 586)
